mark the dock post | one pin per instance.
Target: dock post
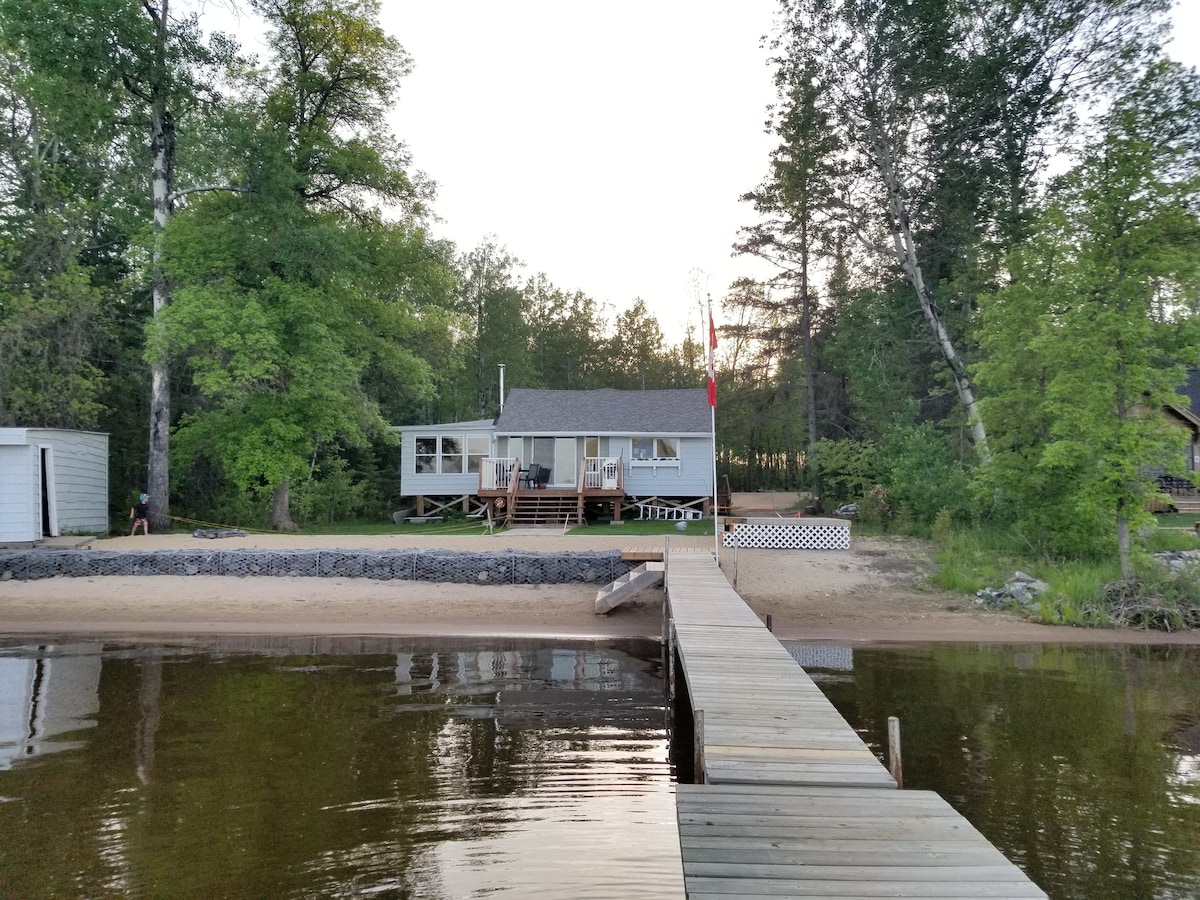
(698, 746)
(671, 659)
(894, 764)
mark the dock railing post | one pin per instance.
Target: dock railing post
(698, 746)
(894, 764)
(671, 660)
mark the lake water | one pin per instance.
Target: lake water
(404, 769)
(1082, 764)
(496, 768)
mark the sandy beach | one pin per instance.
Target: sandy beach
(873, 592)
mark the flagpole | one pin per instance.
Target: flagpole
(716, 505)
(712, 408)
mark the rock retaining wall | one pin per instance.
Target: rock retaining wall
(459, 567)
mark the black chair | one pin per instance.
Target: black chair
(543, 477)
(529, 477)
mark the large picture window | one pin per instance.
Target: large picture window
(450, 454)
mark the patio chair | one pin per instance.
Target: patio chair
(529, 477)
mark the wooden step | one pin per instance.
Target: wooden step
(538, 508)
(648, 574)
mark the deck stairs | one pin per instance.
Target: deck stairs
(648, 574)
(542, 508)
(1186, 505)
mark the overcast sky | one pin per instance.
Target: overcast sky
(605, 145)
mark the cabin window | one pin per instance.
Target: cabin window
(478, 448)
(452, 455)
(426, 457)
(654, 448)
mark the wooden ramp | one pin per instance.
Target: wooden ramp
(791, 802)
(648, 574)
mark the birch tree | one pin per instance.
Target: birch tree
(134, 65)
(941, 106)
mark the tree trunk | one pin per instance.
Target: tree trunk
(1124, 550)
(162, 146)
(810, 377)
(281, 514)
(905, 248)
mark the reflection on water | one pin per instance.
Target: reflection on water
(413, 769)
(1081, 763)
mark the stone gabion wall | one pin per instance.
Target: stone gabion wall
(459, 567)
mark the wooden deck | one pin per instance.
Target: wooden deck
(792, 802)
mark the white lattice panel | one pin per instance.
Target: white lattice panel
(789, 537)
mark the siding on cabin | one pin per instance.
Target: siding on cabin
(425, 484)
(691, 478)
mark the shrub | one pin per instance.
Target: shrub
(848, 469)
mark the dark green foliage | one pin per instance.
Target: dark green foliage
(924, 478)
(850, 469)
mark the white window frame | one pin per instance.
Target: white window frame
(660, 445)
(468, 449)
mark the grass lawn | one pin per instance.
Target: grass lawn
(458, 525)
(648, 526)
(1177, 520)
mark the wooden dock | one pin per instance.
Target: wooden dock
(789, 801)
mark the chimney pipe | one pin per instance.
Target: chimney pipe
(501, 367)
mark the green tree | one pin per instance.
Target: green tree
(566, 334)
(636, 350)
(133, 71)
(292, 299)
(795, 203)
(496, 310)
(1092, 337)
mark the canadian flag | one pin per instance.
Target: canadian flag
(712, 370)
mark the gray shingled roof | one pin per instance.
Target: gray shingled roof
(605, 411)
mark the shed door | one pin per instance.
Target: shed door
(20, 493)
(49, 505)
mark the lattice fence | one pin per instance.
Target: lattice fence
(458, 567)
(788, 537)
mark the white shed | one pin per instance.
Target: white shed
(52, 482)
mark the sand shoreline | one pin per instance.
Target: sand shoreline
(870, 593)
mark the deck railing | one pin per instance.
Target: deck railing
(602, 473)
(599, 473)
(497, 473)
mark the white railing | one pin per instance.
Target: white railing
(496, 473)
(602, 473)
